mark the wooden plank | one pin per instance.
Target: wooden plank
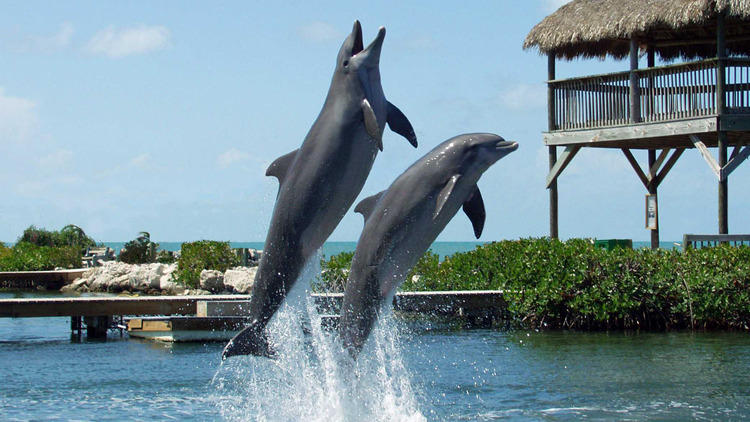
(654, 169)
(562, 162)
(102, 306)
(689, 240)
(735, 162)
(591, 137)
(668, 166)
(737, 148)
(735, 122)
(441, 303)
(56, 275)
(712, 164)
(644, 179)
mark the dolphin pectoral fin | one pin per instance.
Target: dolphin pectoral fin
(280, 166)
(366, 205)
(371, 123)
(474, 209)
(444, 194)
(250, 341)
(400, 124)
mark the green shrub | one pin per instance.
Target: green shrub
(165, 257)
(203, 255)
(70, 235)
(572, 284)
(334, 273)
(140, 250)
(25, 256)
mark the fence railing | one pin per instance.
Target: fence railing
(664, 93)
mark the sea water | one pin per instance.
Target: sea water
(441, 248)
(410, 370)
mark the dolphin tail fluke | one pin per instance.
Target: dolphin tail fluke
(250, 341)
(400, 124)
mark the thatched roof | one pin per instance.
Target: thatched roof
(676, 28)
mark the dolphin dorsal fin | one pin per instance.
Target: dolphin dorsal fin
(445, 193)
(371, 123)
(280, 166)
(474, 209)
(366, 205)
(400, 124)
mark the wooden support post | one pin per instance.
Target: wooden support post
(97, 326)
(722, 135)
(652, 190)
(565, 158)
(551, 125)
(653, 162)
(635, 100)
(75, 328)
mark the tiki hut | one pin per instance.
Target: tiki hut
(700, 103)
(674, 28)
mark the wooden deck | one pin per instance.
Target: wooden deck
(443, 303)
(32, 279)
(105, 306)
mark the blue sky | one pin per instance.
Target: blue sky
(122, 117)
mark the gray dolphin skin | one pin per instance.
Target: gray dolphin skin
(403, 221)
(321, 180)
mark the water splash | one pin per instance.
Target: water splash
(313, 378)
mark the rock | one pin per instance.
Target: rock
(168, 286)
(195, 292)
(240, 279)
(212, 280)
(78, 285)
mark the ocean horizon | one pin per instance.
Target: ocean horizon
(331, 248)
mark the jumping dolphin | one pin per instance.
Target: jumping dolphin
(403, 221)
(320, 180)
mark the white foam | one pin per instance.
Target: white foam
(313, 378)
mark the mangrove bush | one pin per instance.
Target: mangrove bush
(203, 255)
(572, 284)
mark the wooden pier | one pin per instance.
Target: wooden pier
(225, 313)
(51, 280)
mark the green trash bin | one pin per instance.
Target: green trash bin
(610, 244)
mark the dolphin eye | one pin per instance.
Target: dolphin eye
(346, 63)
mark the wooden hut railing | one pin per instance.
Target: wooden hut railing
(681, 91)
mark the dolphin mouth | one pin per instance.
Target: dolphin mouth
(358, 46)
(372, 52)
(509, 146)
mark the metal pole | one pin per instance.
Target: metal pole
(551, 125)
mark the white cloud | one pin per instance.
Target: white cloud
(319, 32)
(421, 42)
(25, 43)
(524, 97)
(140, 160)
(231, 156)
(18, 118)
(116, 43)
(57, 159)
(552, 5)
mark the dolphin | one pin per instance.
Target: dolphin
(403, 221)
(319, 181)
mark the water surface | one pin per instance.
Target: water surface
(414, 370)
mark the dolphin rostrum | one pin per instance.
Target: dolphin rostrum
(320, 180)
(403, 221)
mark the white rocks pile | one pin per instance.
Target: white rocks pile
(157, 279)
